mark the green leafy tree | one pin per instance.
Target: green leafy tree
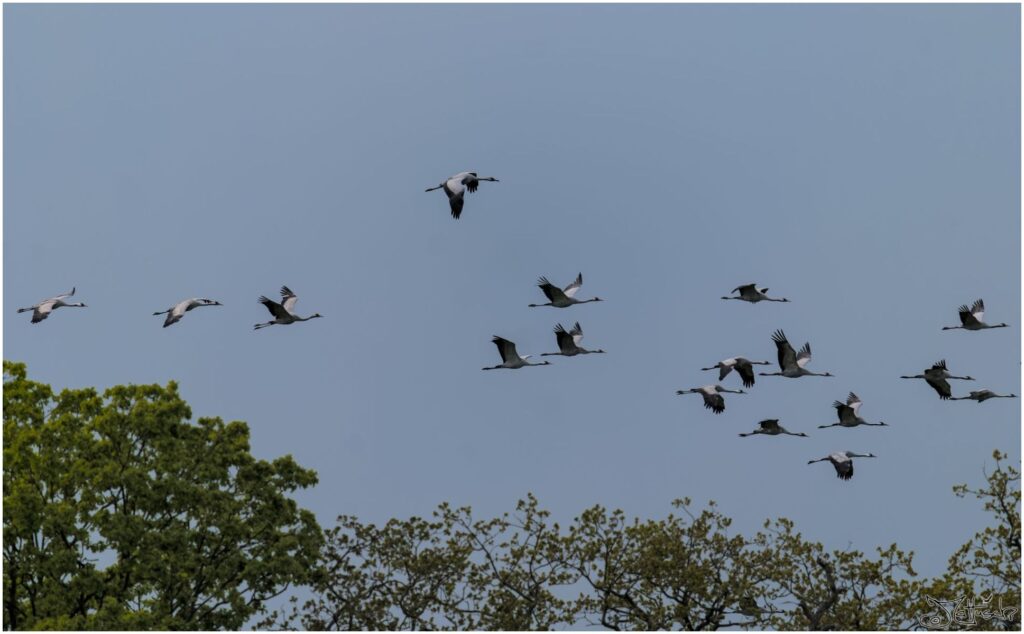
(121, 514)
(981, 588)
(688, 571)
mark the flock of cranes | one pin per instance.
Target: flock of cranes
(792, 363)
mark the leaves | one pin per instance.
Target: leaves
(121, 514)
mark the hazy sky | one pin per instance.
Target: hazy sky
(863, 161)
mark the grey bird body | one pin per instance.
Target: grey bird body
(843, 462)
(43, 309)
(562, 297)
(971, 318)
(849, 414)
(510, 359)
(283, 312)
(713, 399)
(569, 342)
(176, 312)
(791, 363)
(936, 376)
(771, 427)
(456, 187)
(751, 293)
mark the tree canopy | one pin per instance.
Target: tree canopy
(121, 514)
(689, 571)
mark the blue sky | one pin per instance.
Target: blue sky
(863, 161)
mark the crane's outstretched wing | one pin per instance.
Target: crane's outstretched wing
(552, 292)
(854, 402)
(787, 356)
(577, 333)
(714, 402)
(565, 339)
(277, 310)
(746, 372)
(570, 290)
(289, 299)
(506, 348)
(804, 357)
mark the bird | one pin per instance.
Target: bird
(510, 359)
(849, 414)
(971, 318)
(742, 366)
(282, 312)
(936, 377)
(791, 363)
(456, 186)
(43, 309)
(713, 399)
(562, 298)
(569, 342)
(751, 293)
(843, 462)
(176, 312)
(981, 396)
(771, 427)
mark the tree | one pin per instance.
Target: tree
(121, 514)
(688, 571)
(981, 587)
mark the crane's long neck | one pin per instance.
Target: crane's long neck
(540, 305)
(916, 376)
(771, 373)
(952, 327)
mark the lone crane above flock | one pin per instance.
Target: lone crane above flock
(742, 366)
(283, 312)
(971, 318)
(562, 298)
(176, 312)
(43, 309)
(791, 363)
(456, 186)
(849, 414)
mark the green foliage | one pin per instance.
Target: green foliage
(987, 568)
(688, 571)
(120, 514)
